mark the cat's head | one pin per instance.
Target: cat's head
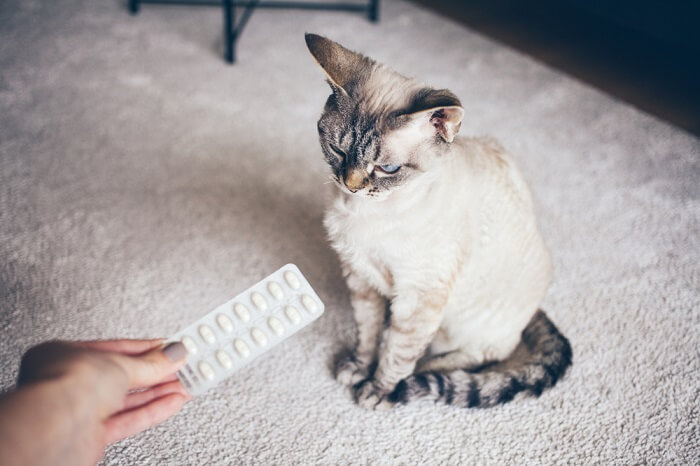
(379, 129)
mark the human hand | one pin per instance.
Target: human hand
(113, 389)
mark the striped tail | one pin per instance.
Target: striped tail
(538, 362)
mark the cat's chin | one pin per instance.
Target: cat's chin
(366, 196)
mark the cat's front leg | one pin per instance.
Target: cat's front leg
(414, 321)
(369, 308)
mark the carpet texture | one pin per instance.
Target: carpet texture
(143, 182)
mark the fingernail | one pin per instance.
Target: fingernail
(175, 351)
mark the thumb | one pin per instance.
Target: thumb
(153, 366)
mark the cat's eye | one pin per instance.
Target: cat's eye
(389, 168)
(337, 151)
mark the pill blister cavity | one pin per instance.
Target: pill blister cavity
(224, 359)
(292, 279)
(259, 301)
(206, 370)
(258, 336)
(241, 348)
(309, 303)
(242, 312)
(207, 334)
(234, 333)
(190, 345)
(292, 314)
(224, 323)
(275, 290)
(275, 325)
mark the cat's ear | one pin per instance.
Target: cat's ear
(342, 66)
(439, 108)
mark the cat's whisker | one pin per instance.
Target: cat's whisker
(332, 179)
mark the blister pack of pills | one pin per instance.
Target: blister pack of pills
(240, 330)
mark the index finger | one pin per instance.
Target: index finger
(152, 366)
(123, 346)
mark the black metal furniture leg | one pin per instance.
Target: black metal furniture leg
(229, 32)
(232, 31)
(374, 10)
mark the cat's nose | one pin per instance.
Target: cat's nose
(355, 180)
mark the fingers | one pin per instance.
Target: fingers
(169, 378)
(52, 358)
(152, 367)
(130, 422)
(137, 399)
(131, 347)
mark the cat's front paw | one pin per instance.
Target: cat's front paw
(370, 395)
(350, 372)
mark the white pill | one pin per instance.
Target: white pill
(207, 334)
(225, 323)
(258, 336)
(206, 370)
(241, 348)
(224, 359)
(242, 312)
(275, 325)
(259, 301)
(292, 314)
(309, 303)
(190, 345)
(292, 279)
(275, 290)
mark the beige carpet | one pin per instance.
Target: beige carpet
(143, 182)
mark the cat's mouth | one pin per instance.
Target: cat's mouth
(371, 193)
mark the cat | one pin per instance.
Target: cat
(438, 244)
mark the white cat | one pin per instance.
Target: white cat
(439, 230)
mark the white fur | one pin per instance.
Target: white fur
(386, 89)
(465, 224)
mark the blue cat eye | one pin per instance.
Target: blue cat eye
(389, 168)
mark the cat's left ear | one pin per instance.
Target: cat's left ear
(343, 67)
(439, 108)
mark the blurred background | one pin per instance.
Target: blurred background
(644, 52)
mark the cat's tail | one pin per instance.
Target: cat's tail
(537, 363)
